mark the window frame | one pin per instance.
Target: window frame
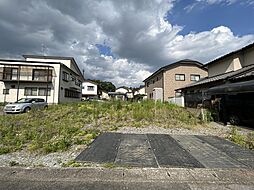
(194, 75)
(179, 79)
(65, 76)
(32, 90)
(92, 88)
(6, 91)
(45, 90)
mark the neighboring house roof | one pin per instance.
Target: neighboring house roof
(230, 54)
(91, 82)
(181, 62)
(57, 57)
(245, 71)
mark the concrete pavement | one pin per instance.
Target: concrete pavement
(123, 178)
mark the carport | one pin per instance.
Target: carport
(238, 87)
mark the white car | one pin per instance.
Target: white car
(25, 105)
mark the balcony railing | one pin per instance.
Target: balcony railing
(9, 74)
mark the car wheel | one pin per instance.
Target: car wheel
(234, 120)
(27, 109)
(46, 107)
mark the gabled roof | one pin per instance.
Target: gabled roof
(233, 74)
(230, 54)
(181, 62)
(58, 58)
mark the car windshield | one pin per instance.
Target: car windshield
(24, 100)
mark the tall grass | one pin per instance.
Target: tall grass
(61, 126)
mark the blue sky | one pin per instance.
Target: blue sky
(125, 41)
(203, 16)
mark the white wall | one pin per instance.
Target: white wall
(177, 100)
(85, 90)
(12, 96)
(158, 94)
(57, 85)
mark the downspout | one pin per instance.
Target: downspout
(163, 86)
(18, 83)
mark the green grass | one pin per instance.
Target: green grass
(246, 140)
(62, 126)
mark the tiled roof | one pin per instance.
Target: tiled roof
(233, 74)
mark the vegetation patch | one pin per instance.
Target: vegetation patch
(62, 126)
(246, 141)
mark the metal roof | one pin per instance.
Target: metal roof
(233, 74)
(242, 87)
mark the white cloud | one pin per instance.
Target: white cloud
(140, 38)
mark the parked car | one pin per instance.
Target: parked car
(25, 105)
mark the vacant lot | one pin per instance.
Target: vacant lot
(63, 129)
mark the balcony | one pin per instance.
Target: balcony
(26, 74)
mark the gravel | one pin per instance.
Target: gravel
(25, 159)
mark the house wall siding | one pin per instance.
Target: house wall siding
(157, 84)
(248, 57)
(170, 84)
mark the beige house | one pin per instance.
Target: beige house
(161, 85)
(232, 61)
(55, 79)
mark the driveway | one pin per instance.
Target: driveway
(171, 151)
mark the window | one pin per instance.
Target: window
(157, 78)
(65, 76)
(153, 81)
(90, 88)
(72, 77)
(147, 84)
(43, 92)
(30, 91)
(71, 93)
(78, 82)
(194, 77)
(14, 74)
(42, 75)
(180, 77)
(6, 91)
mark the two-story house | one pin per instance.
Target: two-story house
(89, 90)
(161, 85)
(55, 79)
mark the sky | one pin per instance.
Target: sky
(125, 41)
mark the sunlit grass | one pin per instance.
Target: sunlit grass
(61, 126)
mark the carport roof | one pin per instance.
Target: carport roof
(243, 87)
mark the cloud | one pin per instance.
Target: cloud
(136, 33)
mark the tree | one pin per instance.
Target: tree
(105, 85)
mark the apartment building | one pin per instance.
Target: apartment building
(55, 79)
(161, 85)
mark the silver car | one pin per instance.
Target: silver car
(25, 105)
